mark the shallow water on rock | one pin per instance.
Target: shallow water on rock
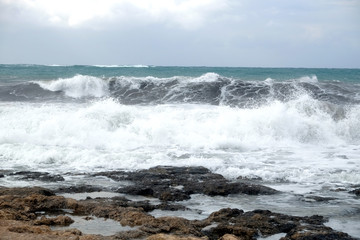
(83, 196)
(95, 225)
(273, 237)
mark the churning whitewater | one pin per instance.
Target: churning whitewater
(298, 130)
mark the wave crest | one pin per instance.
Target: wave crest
(78, 86)
(122, 66)
(209, 88)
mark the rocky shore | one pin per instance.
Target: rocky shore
(40, 213)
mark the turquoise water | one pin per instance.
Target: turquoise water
(40, 72)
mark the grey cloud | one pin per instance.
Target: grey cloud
(239, 33)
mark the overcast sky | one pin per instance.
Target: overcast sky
(248, 33)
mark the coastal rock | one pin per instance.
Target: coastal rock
(137, 234)
(78, 189)
(162, 236)
(225, 214)
(243, 233)
(18, 230)
(41, 176)
(24, 191)
(24, 203)
(29, 229)
(317, 199)
(315, 233)
(24, 216)
(127, 216)
(174, 225)
(356, 192)
(248, 225)
(178, 183)
(59, 220)
(230, 237)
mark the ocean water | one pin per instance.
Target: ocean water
(298, 130)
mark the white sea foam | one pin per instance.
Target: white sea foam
(297, 141)
(77, 86)
(269, 80)
(55, 65)
(308, 79)
(207, 77)
(122, 66)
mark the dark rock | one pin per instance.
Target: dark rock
(24, 191)
(174, 225)
(250, 178)
(4, 173)
(225, 214)
(178, 183)
(78, 189)
(87, 218)
(41, 176)
(131, 235)
(173, 195)
(338, 190)
(125, 203)
(317, 199)
(244, 232)
(356, 192)
(315, 233)
(170, 207)
(248, 225)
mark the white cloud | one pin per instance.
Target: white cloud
(313, 32)
(188, 14)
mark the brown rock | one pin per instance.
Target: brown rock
(242, 232)
(230, 237)
(18, 230)
(29, 229)
(59, 220)
(174, 225)
(315, 233)
(19, 212)
(24, 191)
(162, 236)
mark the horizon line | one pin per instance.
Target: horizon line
(150, 65)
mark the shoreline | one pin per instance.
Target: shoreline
(40, 213)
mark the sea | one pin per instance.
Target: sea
(293, 129)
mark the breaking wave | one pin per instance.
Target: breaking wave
(209, 88)
(78, 86)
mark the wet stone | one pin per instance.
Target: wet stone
(59, 220)
(356, 192)
(178, 183)
(316, 233)
(41, 176)
(317, 199)
(24, 191)
(20, 208)
(78, 189)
